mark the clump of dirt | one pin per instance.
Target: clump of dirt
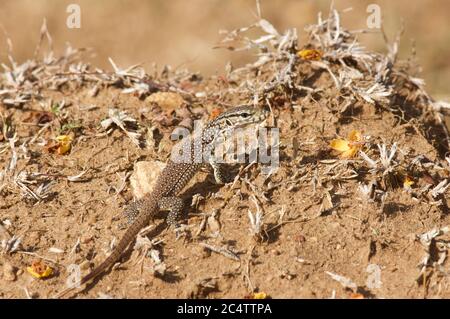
(356, 209)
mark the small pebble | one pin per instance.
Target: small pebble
(86, 238)
(85, 265)
(9, 272)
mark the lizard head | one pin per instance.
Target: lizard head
(228, 121)
(241, 116)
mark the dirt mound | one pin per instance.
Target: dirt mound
(356, 209)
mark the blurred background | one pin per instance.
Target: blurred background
(183, 33)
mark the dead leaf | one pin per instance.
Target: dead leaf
(355, 295)
(257, 295)
(40, 270)
(215, 113)
(350, 146)
(62, 146)
(310, 54)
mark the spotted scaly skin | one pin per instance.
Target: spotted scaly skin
(173, 179)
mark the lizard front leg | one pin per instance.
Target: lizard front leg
(220, 173)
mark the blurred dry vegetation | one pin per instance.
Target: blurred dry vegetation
(183, 33)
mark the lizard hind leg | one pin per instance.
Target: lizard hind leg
(175, 207)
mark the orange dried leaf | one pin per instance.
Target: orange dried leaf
(408, 182)
(349, 154)
(340, 145)
(64, 144)
(356, 295)
(51, 147)
(215, 113)
(257, 295)
(355, 136)
(310, 54)
(40, 270)
(348, 147)
(39, 117)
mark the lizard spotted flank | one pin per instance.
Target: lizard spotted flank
(174, 178)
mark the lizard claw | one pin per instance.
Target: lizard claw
(180, 230)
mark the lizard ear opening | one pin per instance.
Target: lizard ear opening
(228, 122)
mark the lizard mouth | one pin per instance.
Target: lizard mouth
(261, 115)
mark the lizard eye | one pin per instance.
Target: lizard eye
(245, 115)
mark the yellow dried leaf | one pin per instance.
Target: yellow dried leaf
(350, 153)
(355, 136)
(40, 270)
(310, 54)
(340, 145)
(259, 295)
(64, 144)
(408, 182)
(348, 147)
(64, 138)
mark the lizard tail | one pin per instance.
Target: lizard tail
(129, 236)
(131, 233)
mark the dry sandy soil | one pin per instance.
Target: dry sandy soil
(318, 224)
